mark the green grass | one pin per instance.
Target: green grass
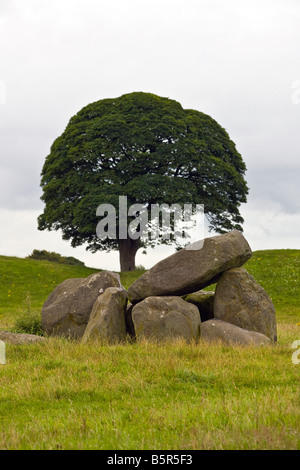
(65, 395)
(25, 284)
(278, 271)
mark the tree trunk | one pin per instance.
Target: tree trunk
(127, 250)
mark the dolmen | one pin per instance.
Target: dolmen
(200, 293)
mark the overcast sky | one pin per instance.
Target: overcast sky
(236, 60)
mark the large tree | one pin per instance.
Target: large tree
(149, 149)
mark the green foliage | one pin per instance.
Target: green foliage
(147, 148)
(28, 323)
(57, 258)
(140, 267)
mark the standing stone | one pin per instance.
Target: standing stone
(205, 302)
(107, 320)
(217, 330)
(193, 267)
(67, 310)
(241, 301)
(161, 318)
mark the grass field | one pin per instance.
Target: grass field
(64, 395)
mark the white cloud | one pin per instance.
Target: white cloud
(267, 229)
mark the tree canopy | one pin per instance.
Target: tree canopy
(149, 149)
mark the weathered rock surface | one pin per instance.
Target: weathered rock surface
(218, 330)
(67, 310)
(167, 301)
(204, 300)
(161, 318)
(107, 319)
(241, 301)
(192, 268)
(20, 338)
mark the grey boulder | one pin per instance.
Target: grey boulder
(204, 300)
(217, 330)
(192, 268)
(241, 301)
(162, 318)
(20, 338)
(67, 310)
(107, 319)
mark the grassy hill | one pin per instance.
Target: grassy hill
(65, 395)
(26, 283)
(278, 271)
